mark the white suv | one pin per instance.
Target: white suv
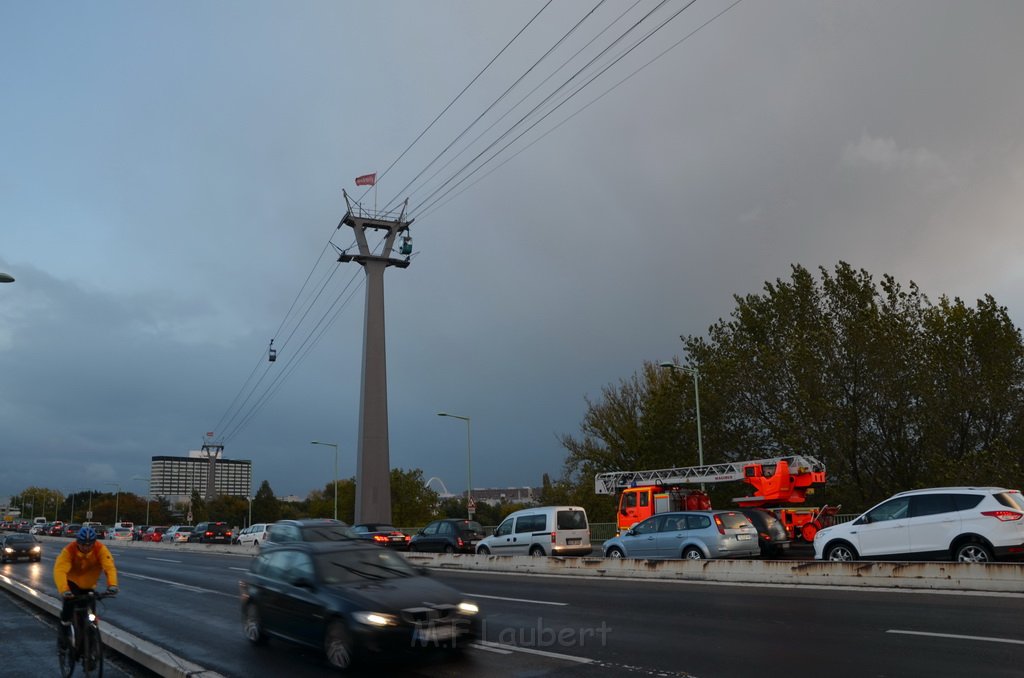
(966, 524)
(254, 535)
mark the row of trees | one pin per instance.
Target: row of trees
(413, 504)
(890, 390)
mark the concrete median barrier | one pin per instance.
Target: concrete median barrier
(990, 577)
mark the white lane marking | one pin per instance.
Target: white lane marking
(516, 600)
(530, 650)
(195, 589)
(163, 560)
(240, 569)
(957, 636)
(496, 650)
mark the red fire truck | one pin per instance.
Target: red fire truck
(777, 481)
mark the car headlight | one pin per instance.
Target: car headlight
(37, 549)
(467, 607)
(375, 618)
(8, 549)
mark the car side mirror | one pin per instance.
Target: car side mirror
(863, 520)
(630, 532)
(424, 571)
(303, 583)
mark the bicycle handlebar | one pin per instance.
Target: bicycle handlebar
(86, 595)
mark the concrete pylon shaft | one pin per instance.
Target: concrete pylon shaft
(373, 467)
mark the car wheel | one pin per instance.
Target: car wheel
(615, 552)
(253, 625)
(338, 646)
(841, 552)
(483, 551)
(448, 548)
(693, 553)
(972, 552)
(537, 550)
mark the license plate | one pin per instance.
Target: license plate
(743, 537)
(398, 539)
(433, 634)
(572, 542)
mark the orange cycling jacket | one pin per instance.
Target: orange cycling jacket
(83, 568)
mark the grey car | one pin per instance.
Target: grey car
(692, 535)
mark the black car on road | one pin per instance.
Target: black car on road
(383, 534)
(349, 598)
(450, 535)
(17, 546)
(310, 529)
(211, 533)
(772, 537)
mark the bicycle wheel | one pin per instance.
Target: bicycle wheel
(66, 654)
(92, 652)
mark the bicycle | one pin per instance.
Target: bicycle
(84, 644)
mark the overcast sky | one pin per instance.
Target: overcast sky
(171, 175)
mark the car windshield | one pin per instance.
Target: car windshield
(20, 537)
(572, 520)
(733, 521)
(328, 533)
(469, 527)
(360, 565)
(1011, 499)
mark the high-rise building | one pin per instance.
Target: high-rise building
(177, 477)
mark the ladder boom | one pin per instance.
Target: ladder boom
(612, 482)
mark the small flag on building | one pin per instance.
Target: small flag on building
(367, 180)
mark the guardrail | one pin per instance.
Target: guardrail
(987, 577)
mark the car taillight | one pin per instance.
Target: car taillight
(1003, 515)
(553, 537)
(458, 540)
(379, 537)
(718, 524)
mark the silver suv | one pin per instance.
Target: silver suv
(966, 524)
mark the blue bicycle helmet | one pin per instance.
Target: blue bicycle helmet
(86, 536)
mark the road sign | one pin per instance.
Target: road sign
(88, 515)
(189, 517)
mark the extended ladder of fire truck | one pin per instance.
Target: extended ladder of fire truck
(777, 480)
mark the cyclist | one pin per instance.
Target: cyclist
(78, 569)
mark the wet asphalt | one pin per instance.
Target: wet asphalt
(30, 644)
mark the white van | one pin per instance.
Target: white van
(541, 531)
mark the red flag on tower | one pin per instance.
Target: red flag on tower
(367, 180)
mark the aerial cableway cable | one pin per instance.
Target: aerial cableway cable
(495, 102)
(543, 82)
(459, 95)
(578, 111)
(439, 192)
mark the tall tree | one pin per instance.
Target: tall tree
(265, 506)
(889, 390)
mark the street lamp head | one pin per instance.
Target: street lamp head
(442, 414)
(6, 277)
(666, 364)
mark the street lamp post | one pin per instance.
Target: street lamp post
(692, 371)
(335, 446)
(249, 498)
(469, 461)
(117, 499)
(148, 495)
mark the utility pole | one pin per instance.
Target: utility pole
(373, 466)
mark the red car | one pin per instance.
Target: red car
(155, 533)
